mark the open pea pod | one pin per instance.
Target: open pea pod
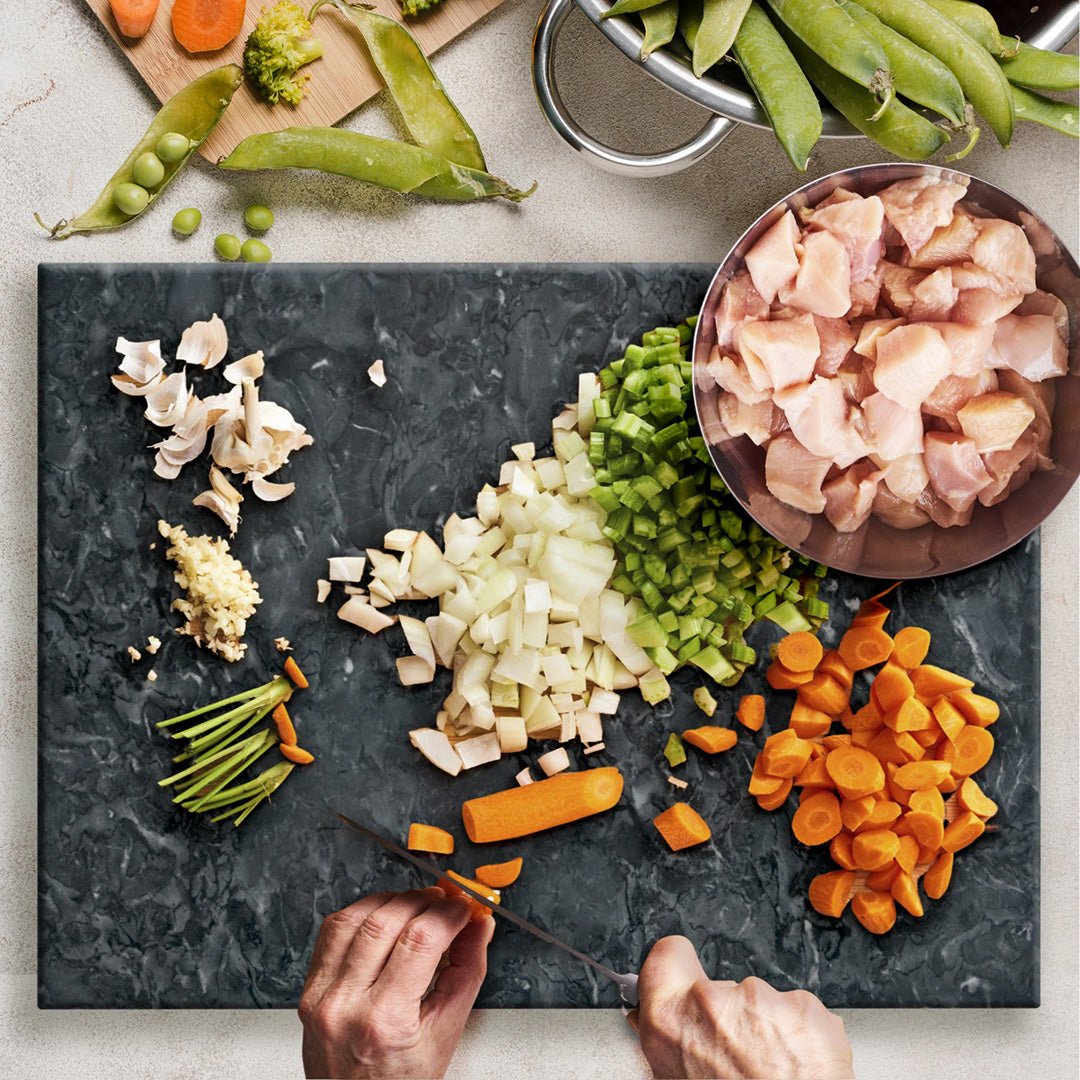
(193, 112)
(432, 118)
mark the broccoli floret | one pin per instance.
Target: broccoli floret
(277, 48)
(411, 9)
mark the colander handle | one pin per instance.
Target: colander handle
(606, 157)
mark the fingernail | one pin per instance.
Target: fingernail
(632, 1019)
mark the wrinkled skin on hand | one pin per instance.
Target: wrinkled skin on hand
(367, 1009)
(691, 1026)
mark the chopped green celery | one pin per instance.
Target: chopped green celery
(712, 663)
(654, 687)
(680, 577)
(708, 517)
(704, 700)
(765, 605)
(788, 617)
(669, 621)
(704, 580)
(632, 500)
(621, 583)
(647, 632)
(646, 486)
(679, 600)
(689, 626)
(597, 447)
(741, 653)
(668, 540)
(688, 649)
(767, 577)
(635, 354)
(702, 605)
(655, 567)
(633, 560)
(644, 526)
(815, 608)
(716, 637)
(603, 477)
(666, 474)
(663, 658)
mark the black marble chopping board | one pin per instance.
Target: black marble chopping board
(144, 906)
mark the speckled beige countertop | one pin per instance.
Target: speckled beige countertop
(70, 106)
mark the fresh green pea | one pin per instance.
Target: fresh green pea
(720, 22)
(130, 199)
(186, 221)
(255, 251)
(1060, 115)
(779, 84)
(660, 23)
(1040, 69)
(148, 171)
(259, 218)
(172, 146)
(228, 246)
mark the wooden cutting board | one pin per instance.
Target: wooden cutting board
(341, 80)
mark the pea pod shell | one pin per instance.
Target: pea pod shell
(660, 23)
(626, 7)
(720, 22)
(386, 163)
(690, 12)
(1050, 112)
(1040, 69)
(976, 22)
(193, 111)
(432, 118)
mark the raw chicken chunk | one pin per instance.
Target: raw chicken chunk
(933, 297)
(820, 418)
(896, 431)
(1044, 303)
(969, 346)
(996, 420)
(1010, 469)
(906, 477)
(772, 261)
(779, 354)
(849, 497)
(731, 375)
(836, 339)
(957, 473)
(740, 302)
(823, 283)
(869, 333)
(953, 392)
(898, 287)
(896, 512)
(759, 421)
(1042, 397)
(1031, 346)
(794, 475)
(916, 207)
(941, 513)
(947, 244)
(859, 225)
(982, 306)
(1003, 250)
(911, 361)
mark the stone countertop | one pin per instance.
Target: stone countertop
(70, 106)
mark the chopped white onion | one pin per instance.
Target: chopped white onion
(346, 567)
(361, 614)
(436, 747)
(479, 750)
(554, 761)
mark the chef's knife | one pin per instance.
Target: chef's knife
(627, 983)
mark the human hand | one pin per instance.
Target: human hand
(365, 1007)
(691, 1026)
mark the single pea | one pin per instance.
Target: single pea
(148, 171)
(255, 251)
(130, 199)
(172, 146)
(259, 218)
(186, 221)
(228, 246)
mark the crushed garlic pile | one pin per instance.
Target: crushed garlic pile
(221, 594)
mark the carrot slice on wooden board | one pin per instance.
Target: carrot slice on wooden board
(927, 829)
(906, 893)
(781, 678)
(855, 772)
(479, 911)
(910, 715)
(881, 880)
(936, 880)
(751, 711)
(910, 646)
(133, 17)
(829, 893)
(871, 614)
(817, 820)
(499, 875)
(832, 663)
(292, 669)
(875, 910)
(875, 848)
(929, 800)
(933, 682)
(808, 723)
(815, 774)
(286, 731)
(784, 754)
(972, 797)
(825, 694)
(800, 651)
(682, 826)
(429, 838)
(854, 812)
(864, 646)
(969, 751)
(761, 783)
(891, 687)
(964, 830)
(558, 800)
(774, 800)
(207, 25)
(907, 855)
(976, 709)
(922, 774)
(882, 814)
(840, 851)
(296, 754)
(711, 740)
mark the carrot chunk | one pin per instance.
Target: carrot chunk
(875, 910)
(972, 797)
(926, 828)
(881, 880)
(832, 663)
(969, 751)
(825, 694)
(429, 838)
(976, 709)
(206, 25)
(891, 688)
(499, 875)
(965, 829)
(949, 718)
(829, 893)
(815, 774)
(874, 848)
(774, 800)
(751, 711)
(782, 678)
(906, 893)
(907, 855)
(479, 911)
(761, 783)
(864, 646)
(871, 615)
(922, 774)
(933, 682)
(800, 651)
(910, 646)
(133, 17)
(869, 719)
(840, 851)
(855, 812)
(785, 754)
(292, 669)
(910, 715)
(711, 740)
(286, 731)
(817, 820)
(681, 826)
(882, 814)
(855, 772)
(296, 754)
(936, 879)
(808, 723)
(929, 800)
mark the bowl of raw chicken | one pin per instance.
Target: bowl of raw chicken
(887, 370)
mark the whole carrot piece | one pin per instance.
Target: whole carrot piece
(207, 25)
(133, 17)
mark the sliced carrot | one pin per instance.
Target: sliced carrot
(429, 838)
(829, 893)
(883, 813)
(871, 615)
(881, 880)
(711, 740)
(784, 754)
(928, 737)
(947, 785)
(933, 682)
(922, 774)
(855, 772)
(479, 911)
(906, 893)
(834, 742)
(817, 820)
(910, 646)
(969, 751)
(971, 797)
(885, 749)
(832, 663)
(936, 879)
(864, 646)
(949, 718)
(292, 669)
(965, 829)
(927, 855)
(133, 17)
(897, 793)
(207, 25)
(499, 875)
(910, 715)
(295, 754)
(874, 848)
(761, 783)
(862, 739)
(681, 826)
(782, 678)
(815, 774)
(926, 828)
(825, 694)
(800, 651)
(751, 711)
(808, 723)
(929, 801)
(810, 791)
(854, 812)
(840, 851)
(875, 910)
(891, 687)
(976, 709)
(868, 718)
(907, 855)
(817, 751)
(777, 798)
(286, 731)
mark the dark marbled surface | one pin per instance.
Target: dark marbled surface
(143, 906)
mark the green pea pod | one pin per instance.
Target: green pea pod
(194, 112)
(840, 41)
(1040, 69)
(690, 12)
(660, 23)
(1059, 115)
(917, 75)
(626, 7)
(432, 118)
(387, 163)
(900, 130)
(779, 84)
(720, 22)
(976, 22)
(979, 76)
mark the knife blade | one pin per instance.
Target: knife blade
(626, 982)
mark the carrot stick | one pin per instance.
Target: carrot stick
(782, 678)
(499, 875)
(808, 723)
(296, 754)
(875, 910)
(774, 800)
(681, 826)
(936, 879)
(891, 687)
(751, 711)
(855, 772)
(711, 740)
(875, 848)
(832, 663)
(910, 646)
(429, 838)
(800, 651)
(963, 831)
(840, 851)
(864, 646)
(829, 893)
(971, 797)
(906, 893)
(558, 800)
(286, 731)
(133, 17)
(207, 25)
(976, 709)
(969, 751)
(784, 754)
(292, 669)
(817, 820)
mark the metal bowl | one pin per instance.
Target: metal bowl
(876, 549)
(722, 90)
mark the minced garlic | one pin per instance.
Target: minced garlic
(221, 594)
